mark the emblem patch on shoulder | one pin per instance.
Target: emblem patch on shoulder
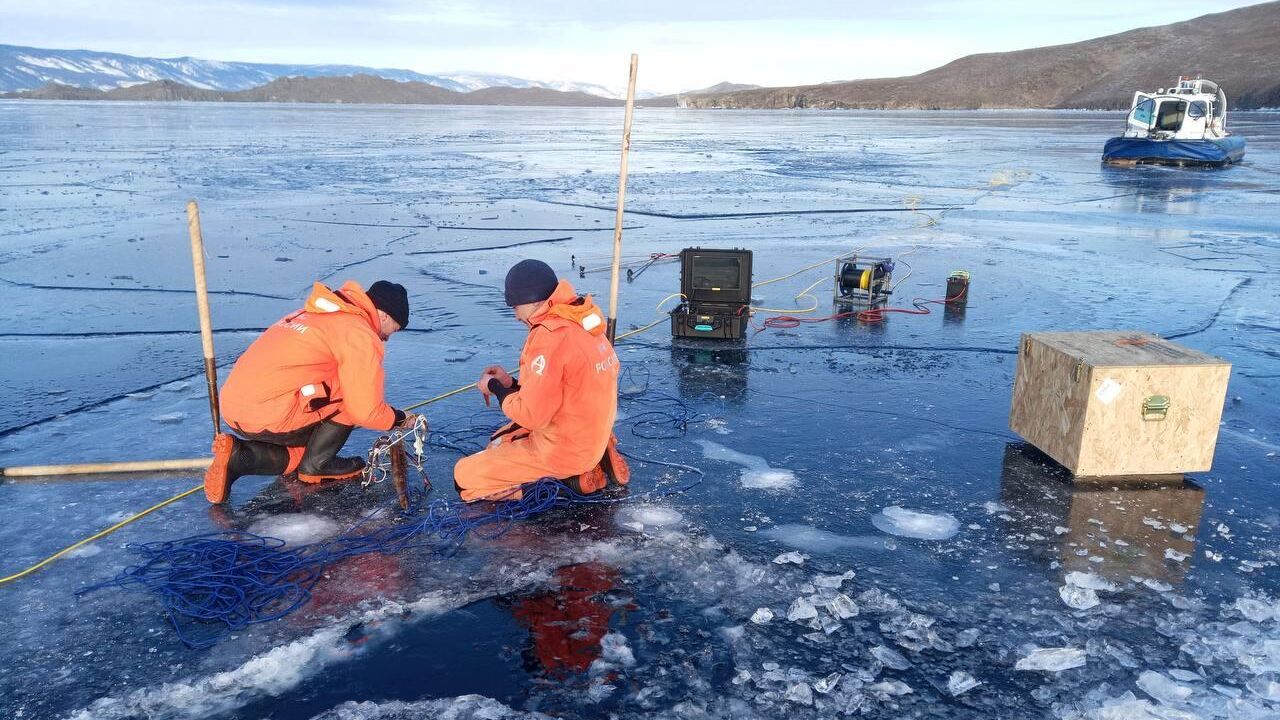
(539, 364)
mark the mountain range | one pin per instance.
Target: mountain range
(1239, 49)
(28, 68)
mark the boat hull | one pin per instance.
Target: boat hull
(1213, 152)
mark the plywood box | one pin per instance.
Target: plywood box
(1110, 403)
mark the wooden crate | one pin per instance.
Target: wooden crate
(1112, 403)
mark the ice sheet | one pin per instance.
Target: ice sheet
(830, 422)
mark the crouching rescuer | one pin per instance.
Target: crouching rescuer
(298, 391)
(563, 407)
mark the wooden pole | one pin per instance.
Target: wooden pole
(612, 327)
(137, 466)
(202, 306)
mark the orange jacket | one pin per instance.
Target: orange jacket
(314, 363)
(568, 396)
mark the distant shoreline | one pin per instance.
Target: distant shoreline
(280, 104)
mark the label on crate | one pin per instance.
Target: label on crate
(1108, 391)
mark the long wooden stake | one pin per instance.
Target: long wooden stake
(137, 466)
(622, 196)
(202, 305)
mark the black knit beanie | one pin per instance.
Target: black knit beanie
(392, 299)
(530, 281)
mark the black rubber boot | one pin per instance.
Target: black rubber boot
(233, 458)
(320, 462)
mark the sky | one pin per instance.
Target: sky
(683, 44)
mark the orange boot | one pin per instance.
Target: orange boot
(234, 458)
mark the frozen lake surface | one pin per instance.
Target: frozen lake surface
(988, 587)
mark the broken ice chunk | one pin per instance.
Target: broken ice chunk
(169, 418)
(762, 616)
(1162, 688)
(961, 682)
(842, 607)
(1255, 610)
(890, 658)
(1052, 659)
(1129, 707)
(800, 693)
(902, 522)
(1266, 687)
(827, 684)
(1157, 585)
(598, 692)
(1090, 581)
(966, 638)
(801, 609)
(829, 581)
(790, 557)
(1120, 653)
(829, 624)
(890, 687)
(1080, 598)
(1174, 555)
(613, 648)
(877, 600)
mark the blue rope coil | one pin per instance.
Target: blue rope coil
(213, 585)
(216, 584)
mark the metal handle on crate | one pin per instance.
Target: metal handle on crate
(1155, 407)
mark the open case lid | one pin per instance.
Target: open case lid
(716, 276)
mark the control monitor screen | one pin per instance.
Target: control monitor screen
(715, 273)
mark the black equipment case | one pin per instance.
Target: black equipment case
(716, 285)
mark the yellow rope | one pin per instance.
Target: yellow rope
(788, 312)
(658, 307)
(639, 330)
(442, 396)
(96, 536)
(762, 283)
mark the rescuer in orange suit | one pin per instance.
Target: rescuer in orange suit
(299, 390)
(562, 409)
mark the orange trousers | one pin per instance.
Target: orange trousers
(498, 471)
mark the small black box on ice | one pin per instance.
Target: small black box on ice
(716, 285)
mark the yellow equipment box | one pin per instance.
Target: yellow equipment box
(1110, 403)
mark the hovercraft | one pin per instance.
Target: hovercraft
(1184, 125)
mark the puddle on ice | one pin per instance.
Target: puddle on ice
(641, 518)
(295, 528)
(899, 521)
(756, 471)
(815, 541)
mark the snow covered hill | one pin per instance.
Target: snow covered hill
(27, 68)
